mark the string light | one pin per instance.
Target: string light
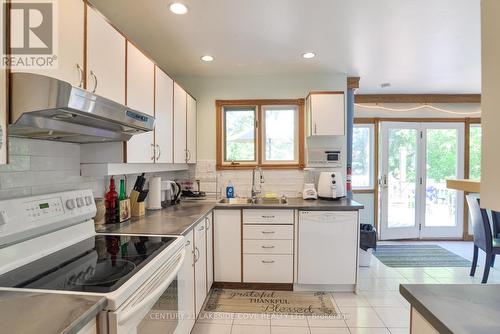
(417, 108)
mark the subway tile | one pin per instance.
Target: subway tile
(17, 163)
(19, 146)
(15, 193)
(53, 149)
(46, 163)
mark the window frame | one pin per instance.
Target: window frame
(371, 136)
(222, 164)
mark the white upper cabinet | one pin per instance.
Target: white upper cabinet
(140, 96)
(180, 121)
(105, 58)
(326, 114)
(69, 51)
(191, 129)
(164, 114)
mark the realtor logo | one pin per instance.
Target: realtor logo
(32, 35)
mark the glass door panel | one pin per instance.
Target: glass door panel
(399, 211)
(443, 144)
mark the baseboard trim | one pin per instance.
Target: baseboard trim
(253, 286)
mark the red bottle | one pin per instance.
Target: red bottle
(110, 202)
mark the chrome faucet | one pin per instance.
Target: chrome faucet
(256, 192)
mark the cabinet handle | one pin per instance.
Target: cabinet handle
(268, 217)
(187, 243)
(267, 262)
(201, 228)
(80, 71)
(207, 222)
(188, 155)
(92, 74)
(153, 152)
(196, 254)
(268, 247)
(268, 232)
(159, 152)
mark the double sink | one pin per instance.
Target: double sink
(254, 201)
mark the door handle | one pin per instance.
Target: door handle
(92, 74)
(80, 72)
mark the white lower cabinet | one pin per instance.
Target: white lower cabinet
(200, 265)
(227, 245)
(185, 285)
(210, 250)
(267, 268)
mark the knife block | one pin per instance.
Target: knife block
(138, 208)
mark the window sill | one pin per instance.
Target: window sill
(264, 166)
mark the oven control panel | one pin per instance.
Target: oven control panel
(44, 213)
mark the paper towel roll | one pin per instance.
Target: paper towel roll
(154, 196)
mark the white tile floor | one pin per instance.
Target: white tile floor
(377, 307)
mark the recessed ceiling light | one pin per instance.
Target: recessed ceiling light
(308, 55)
(178, 8)
(207, 58)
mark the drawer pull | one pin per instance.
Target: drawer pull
(268, 232)
(268, 217)
(201, 228)
(188, 243)
(267, 262)
(268, 247)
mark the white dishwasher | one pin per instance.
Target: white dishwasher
(327, 247)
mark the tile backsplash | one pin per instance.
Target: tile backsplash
(38, 167)
(288, 182)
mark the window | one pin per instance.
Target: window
(266, 133)
(475, 151)
(362, 156)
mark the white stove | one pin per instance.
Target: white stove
(48, 244)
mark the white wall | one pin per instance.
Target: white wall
(490, 102)
(208, 89)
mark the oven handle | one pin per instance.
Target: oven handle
(158, 291)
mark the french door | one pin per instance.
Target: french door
(416, 161)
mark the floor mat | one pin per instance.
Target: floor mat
(270, 302)
(400, 256)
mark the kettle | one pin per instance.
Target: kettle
(331, 185)
(171, 193)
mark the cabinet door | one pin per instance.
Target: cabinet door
(328, 114)
(140, 96)
(164, 114)
(3, 96)
(200, 266)
(69, 51)
(185, 280)
(227, 245)
(191, 129)
(179, 124)
(210, 251)
(105, 58)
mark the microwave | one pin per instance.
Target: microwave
(321, 157)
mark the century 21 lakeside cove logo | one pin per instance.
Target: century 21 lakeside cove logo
(33, 34)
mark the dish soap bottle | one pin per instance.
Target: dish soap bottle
(110, 202)
(230, 190)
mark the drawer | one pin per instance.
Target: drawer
(266, 232)
(268, 246)
(267, 268)
(268, 216)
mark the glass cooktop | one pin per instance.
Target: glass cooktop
(98, 264)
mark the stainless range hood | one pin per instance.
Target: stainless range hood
(51, 109)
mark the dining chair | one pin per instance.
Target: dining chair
(483, 237)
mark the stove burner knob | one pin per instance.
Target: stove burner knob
(80, 202)
(70, 204)
(88, 200)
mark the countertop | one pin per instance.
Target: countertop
(456, 308)
(181, 218)
(26, 312)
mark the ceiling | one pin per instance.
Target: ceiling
(418, 46)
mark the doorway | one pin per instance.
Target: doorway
(416, 160)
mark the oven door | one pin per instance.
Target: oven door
(153, 308)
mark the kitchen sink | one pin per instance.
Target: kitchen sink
(258, 201)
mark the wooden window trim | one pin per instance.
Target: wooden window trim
(219, 109)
